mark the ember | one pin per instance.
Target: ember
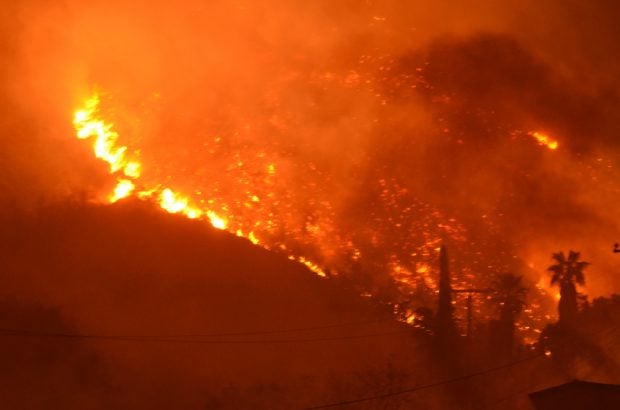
(408, 262)
(242, 204)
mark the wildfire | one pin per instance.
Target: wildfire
(546, 289)
(221, 223)
(400, 237)
(89, 125)
(544, 139)
(106, 148)
(123, 189)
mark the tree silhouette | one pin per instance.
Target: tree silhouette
(445, 327)
(567, 272)
(509, 294)
(424, 319)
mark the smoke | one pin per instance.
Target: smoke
(485, 92)
(157, 311)
(435, 100)
(389, 126)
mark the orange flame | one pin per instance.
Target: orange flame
(88, 124)
(544, 139)
(106, 148)
(123, 189)
(255, 211)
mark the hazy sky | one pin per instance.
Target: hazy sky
(438, 97)
(391, 126)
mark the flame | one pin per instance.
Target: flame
(172, 202)
(219, 222)
(309, 264)
(88, 124)
(547, 289)
(175, 203)
(258, 208)
(544, 139)
(123, 189)
(252, 237)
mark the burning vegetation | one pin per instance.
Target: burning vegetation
(427, 159)
(364, 215)
(319, 240)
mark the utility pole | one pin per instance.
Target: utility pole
(445, 327)
(470, 315)
(445, 311)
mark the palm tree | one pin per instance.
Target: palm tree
(566, 273)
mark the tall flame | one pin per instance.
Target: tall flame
(261, 212)
(128, 170)
(106, 147)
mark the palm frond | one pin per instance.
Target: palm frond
(580, 278)
(573, 256)
(568, 270)
(582, 265)
(559, 256)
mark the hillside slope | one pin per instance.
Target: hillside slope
(130, 289)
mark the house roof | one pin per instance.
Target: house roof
(578, 394)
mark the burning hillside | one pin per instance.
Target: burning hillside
(391, 255)
(144, 309)
(359, 163)
(354, 138)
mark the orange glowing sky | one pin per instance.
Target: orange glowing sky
(358, 138)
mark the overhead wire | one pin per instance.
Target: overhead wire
(276, 331)
(423, 386)
(226, 334)
(179, 340)
(566, 379)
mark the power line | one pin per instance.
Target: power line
(424, 386)
(228, 334)
(533, 387)
(212, 335)
(566, 379)
(274, 331)
(495, 404)
(30, 334)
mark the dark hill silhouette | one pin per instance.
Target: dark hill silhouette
(117, 273)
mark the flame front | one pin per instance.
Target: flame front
(89, 125)
(544, 140)
(256, 206)
(106, 148)
(124, 188)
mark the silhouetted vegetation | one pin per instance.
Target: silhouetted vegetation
(567, 272)
(130, 269)
(509, 295)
